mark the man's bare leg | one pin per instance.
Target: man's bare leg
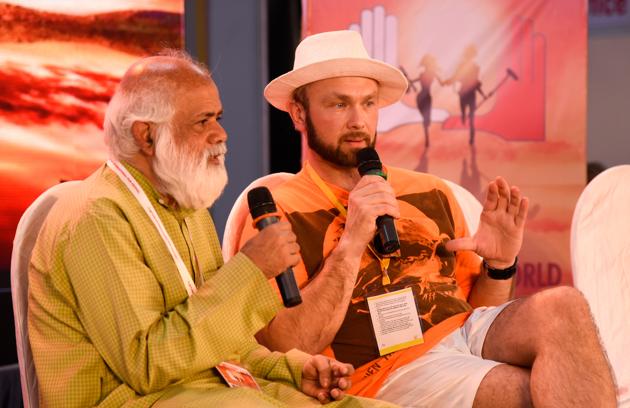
(504, 386)
(553, 333)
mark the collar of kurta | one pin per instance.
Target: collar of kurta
(154, 195)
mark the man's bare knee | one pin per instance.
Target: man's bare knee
(567, 308)
(504, 386)
(561, 299)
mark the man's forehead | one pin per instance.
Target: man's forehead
(355, 84)
(202, 99)
(194, 100)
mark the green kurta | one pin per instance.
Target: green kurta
(111, 324)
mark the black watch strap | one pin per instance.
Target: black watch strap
(501, 274)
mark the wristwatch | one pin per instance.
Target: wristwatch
(501, 274)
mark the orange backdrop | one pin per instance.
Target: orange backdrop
(60, 62)
(529, 125)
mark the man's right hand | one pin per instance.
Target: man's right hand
(274, 249)
(371, 197)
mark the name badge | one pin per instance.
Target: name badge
(395, 320)
(236, 376)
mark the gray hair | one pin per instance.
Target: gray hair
(146, 93)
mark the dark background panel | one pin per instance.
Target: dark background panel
(8, 354)
(284, 30)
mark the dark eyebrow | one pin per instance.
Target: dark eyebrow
(347, 98)
(371, 96)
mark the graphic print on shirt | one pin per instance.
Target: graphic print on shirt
(423, 264)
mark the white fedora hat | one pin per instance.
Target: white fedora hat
(335, 54)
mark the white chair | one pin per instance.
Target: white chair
(25, 237)
(238, 214)
(471, 208)
(600, 261)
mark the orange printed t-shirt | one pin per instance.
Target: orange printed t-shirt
(441, 280)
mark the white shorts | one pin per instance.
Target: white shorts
(449, 374)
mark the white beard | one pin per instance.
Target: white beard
(189, 178)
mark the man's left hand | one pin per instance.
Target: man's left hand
(500, 234)
(326, 379)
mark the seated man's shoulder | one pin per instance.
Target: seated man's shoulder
(84, 199)
(284, 182)
(292, 188)
(410, 180)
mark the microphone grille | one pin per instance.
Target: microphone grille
(260, 201)
(368, 160)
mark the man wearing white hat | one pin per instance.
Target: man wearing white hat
(360, 305)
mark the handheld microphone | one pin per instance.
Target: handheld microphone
(386, 239)
(264, 213)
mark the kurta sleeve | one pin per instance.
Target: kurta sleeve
(121, 305)
(276, 366)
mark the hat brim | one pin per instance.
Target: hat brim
(392, 82)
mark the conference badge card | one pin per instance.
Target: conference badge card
(236, 376)
(395, 320)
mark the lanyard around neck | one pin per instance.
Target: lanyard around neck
(135, 189)
(344, 213)
(325, 189)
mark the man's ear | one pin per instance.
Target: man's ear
(144, 139)
(298, 116)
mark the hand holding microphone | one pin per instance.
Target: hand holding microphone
(274, 250)
(386, 239)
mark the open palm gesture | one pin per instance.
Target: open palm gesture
(500, 234)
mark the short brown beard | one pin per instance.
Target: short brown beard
(332, 154)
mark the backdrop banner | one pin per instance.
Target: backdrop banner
(60, 62)
(497, 87)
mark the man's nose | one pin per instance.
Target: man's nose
(218, 134)
(357, 118)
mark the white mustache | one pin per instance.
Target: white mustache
(217, 150)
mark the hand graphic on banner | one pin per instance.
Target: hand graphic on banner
(519, 102)
(380, 37)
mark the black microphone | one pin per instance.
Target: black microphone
(386, 239)
(264, 212)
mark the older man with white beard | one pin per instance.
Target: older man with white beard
(130, 302)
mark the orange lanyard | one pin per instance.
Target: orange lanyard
(344, 213)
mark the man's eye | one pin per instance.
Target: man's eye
(340, 105)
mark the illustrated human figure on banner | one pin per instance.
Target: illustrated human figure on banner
(523, 64)
(424, 100)
(518, 94)
(467, 78)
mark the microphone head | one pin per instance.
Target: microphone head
(368, 161)
(260, 202)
